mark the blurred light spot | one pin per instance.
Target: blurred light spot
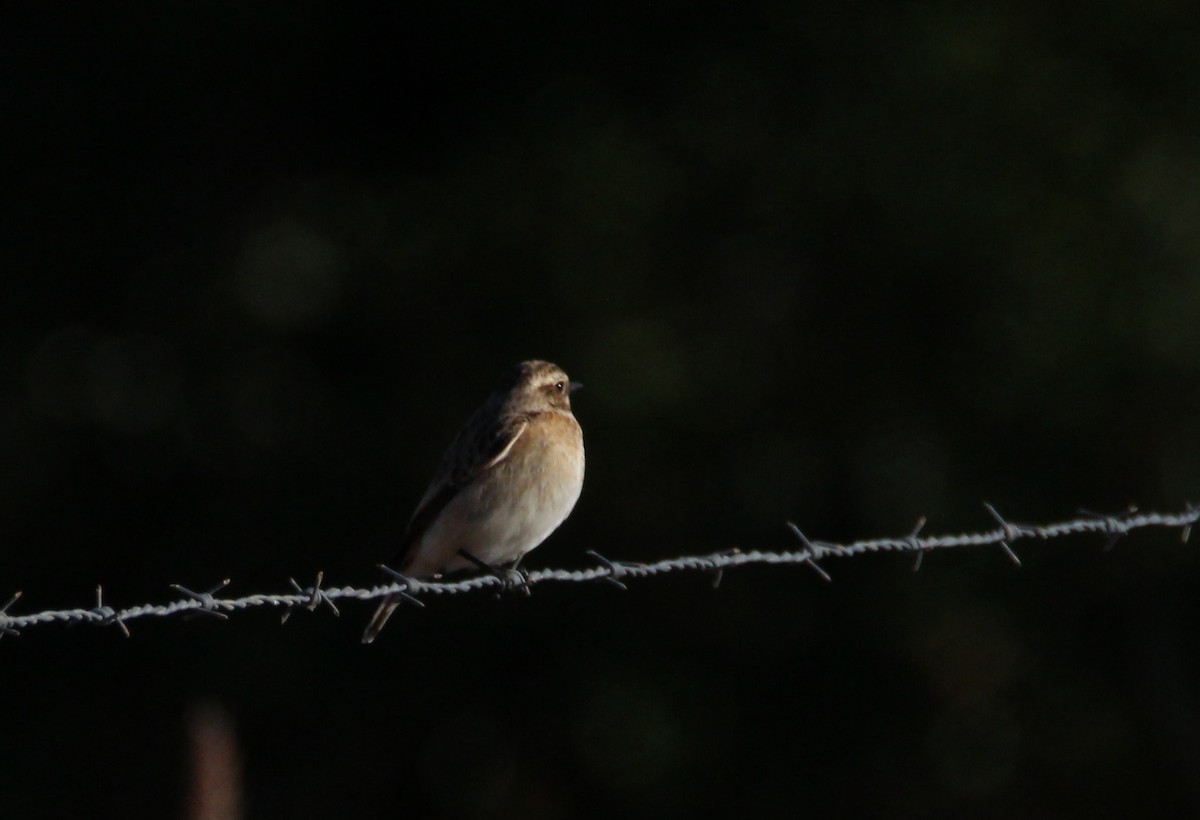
(618, 183)
(1178, 458)
(969, 654)
(973, 750)
(644, 366)
(135, 384)
(30, 453)
(1077, 722)
(1163, 182)
(770, 471)
(216, 782)
(275, 400)
(469, 767)
(636, 736)
(901, 469)
(1168, 319)
(129, 384)
(57, 373)
(289, 276)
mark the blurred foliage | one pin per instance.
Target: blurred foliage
(842, 264)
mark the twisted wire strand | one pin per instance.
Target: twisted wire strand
(810, 553)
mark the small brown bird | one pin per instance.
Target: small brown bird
(508, 479)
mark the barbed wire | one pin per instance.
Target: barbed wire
(611, 572)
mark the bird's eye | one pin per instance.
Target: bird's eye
(559, 386)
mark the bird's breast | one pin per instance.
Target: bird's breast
(552, 461)
(513, 506)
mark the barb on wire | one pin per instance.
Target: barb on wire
(814, 552)
(107, 614)
(1191, 512)
(718, 573)
(1011, 533)
(208, 603)
(413, 590)
(1112, 525)
(316, 597)
(5, 628)
(615, 571)
(914, 543)
(407, 586)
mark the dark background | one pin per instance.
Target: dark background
(845, 264)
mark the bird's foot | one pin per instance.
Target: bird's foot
(511, 578)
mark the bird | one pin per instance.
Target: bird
(509, 478)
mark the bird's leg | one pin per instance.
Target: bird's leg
(511, 578)
(478, 562)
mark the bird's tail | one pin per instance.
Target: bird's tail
(380, 618)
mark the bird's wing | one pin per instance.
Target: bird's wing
(479, 447)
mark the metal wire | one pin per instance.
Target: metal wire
(605, 570)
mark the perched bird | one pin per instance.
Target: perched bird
(508, 479)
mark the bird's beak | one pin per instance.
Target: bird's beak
(575, 386)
